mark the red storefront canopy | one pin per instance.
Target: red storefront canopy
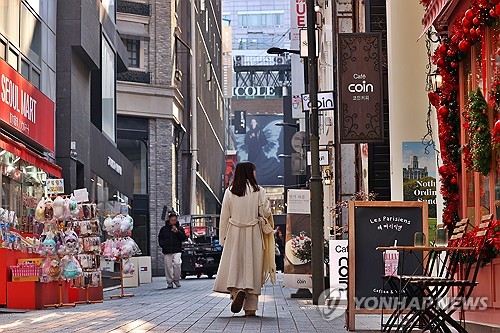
(432, 12)
(29, 156)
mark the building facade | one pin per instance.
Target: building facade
(27, 106)
(258, 25)
(90, 54)
(154, 105)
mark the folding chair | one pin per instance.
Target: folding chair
(412, 291)
(465, 286)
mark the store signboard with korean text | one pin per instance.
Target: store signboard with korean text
(360, 88)
(297, 256)
(24, 108)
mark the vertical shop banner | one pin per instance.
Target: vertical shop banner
(419, 178)
(298, 22)
(260, 141)
(338, 254)
(24, 108)
(360, 88)
(297, 259)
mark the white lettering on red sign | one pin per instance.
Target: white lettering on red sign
(18, 100)
(300, 8)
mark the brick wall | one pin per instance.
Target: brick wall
(160, 183)
(258, 105)
(161, 45)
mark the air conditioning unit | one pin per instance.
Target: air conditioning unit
(279, 60)
(238, 60)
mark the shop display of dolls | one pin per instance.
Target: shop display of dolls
(70, 229)
(120, 247)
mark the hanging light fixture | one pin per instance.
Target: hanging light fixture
(435, 80)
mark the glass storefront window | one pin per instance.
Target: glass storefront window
(136, 152)
(23, 185)
(109, 200)
(277, 198)
(31, 35)
(109, 5)
(470, 189)
(108, 71)
(9, 20)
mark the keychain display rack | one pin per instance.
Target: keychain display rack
(61, 245)
(89, 238)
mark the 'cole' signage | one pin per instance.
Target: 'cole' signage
(24, 108)
(254, 91)
(360, 88)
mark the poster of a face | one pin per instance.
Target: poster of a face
(419, 175)
(261, 145)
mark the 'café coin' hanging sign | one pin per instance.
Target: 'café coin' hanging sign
(360, 88)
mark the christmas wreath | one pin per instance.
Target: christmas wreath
(477, 151)
(464, 33)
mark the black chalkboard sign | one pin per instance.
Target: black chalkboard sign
(377, 224)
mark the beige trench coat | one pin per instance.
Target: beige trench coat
(240, 235)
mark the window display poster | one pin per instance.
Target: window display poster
(54, 186)
(419, 178)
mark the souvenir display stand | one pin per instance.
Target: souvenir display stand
(89, 285)
(120, 247)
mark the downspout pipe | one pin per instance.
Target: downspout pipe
(194, 111)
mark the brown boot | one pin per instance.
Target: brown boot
(238, 301)
(250, 313)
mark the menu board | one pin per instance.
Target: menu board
(375, 224)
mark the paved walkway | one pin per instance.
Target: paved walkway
(192, 308)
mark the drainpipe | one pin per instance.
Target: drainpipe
(194, 111)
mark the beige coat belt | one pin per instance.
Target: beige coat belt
(246, 225)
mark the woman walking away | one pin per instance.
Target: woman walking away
(248, 255)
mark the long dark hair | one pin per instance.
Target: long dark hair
(243, 176)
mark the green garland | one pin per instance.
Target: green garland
(478, 148)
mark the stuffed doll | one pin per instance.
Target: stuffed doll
(55, 269)
(127, 224)
(49, 209)
(40, 211)
(70, 242)
(128, 267)
(58, 206)
(72, 268)
(49, 247)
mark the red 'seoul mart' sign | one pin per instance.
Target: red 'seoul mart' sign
(25, 108)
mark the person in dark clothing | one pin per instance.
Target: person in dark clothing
(280, 250)
(170, 239)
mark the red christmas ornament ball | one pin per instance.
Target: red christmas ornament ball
(442, 49)
(441, 63)
(469, 14)
(475, 21)
(479, 31)
(472, 31)
(464, 46)
(454, 39)
(466, 23)
(454, 64)
(443, 111)
(493, 13)
(484, 112)
(497, 126)
(453, 181)
(497, 9)
(443, 170)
